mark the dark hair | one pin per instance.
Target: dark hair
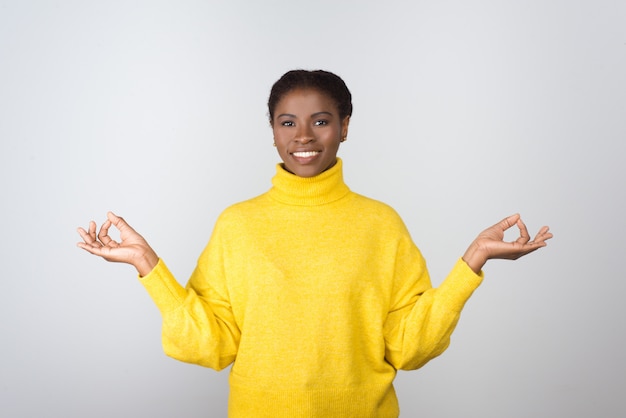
(323, 81)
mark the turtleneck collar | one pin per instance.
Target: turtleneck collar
(324, 188)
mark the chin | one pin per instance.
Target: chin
(308, 170)
(306, 173)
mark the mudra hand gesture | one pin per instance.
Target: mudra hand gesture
(132, 248)
(490, 243)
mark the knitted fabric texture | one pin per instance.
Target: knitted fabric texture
(317, 294)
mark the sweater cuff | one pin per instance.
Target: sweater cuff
(460, 284)
(163, 288)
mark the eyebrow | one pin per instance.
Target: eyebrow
(316, 114)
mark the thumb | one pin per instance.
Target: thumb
(509, 221)
(118, 221)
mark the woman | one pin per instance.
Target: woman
(316, 294)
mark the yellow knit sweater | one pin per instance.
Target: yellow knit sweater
(317, 294)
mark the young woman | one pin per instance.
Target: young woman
(316, 294)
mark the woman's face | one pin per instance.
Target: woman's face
(307, 131)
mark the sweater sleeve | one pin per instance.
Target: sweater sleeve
(198, 324)
(421, 320)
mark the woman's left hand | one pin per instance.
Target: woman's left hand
(490, 243)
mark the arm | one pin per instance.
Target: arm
(198, 325)
(420, 328)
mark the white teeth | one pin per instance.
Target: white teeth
(305, 154)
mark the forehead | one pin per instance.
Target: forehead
(305, 99)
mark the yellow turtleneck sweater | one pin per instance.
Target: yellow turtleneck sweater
(317, 294)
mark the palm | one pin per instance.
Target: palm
(490, 243)
(132, 247)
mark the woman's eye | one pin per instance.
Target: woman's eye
(287, 123)
(321, 122)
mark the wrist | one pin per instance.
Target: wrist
(146, 264)
(475, 258)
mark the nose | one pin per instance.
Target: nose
(304, 134)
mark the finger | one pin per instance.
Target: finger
(87, 247)
(81, 231)
(544, 234)
(102, 240)
(103, 235)
(87, 235)
(508, 222)
(118, 221)
(92, 229)
(95, 249)
(88, 243)
(523, 231)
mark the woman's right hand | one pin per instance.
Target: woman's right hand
(132, 248)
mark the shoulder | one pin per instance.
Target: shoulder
(376, 211)
(372, 203)
(243, 210)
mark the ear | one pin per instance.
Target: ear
(344, 126)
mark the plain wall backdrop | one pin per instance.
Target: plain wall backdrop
(465, 112)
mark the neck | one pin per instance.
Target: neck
(324, 188)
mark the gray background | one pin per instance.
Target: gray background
(465, 112)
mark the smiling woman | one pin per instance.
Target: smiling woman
(307, 132)
(316, 295)
(309, 114)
